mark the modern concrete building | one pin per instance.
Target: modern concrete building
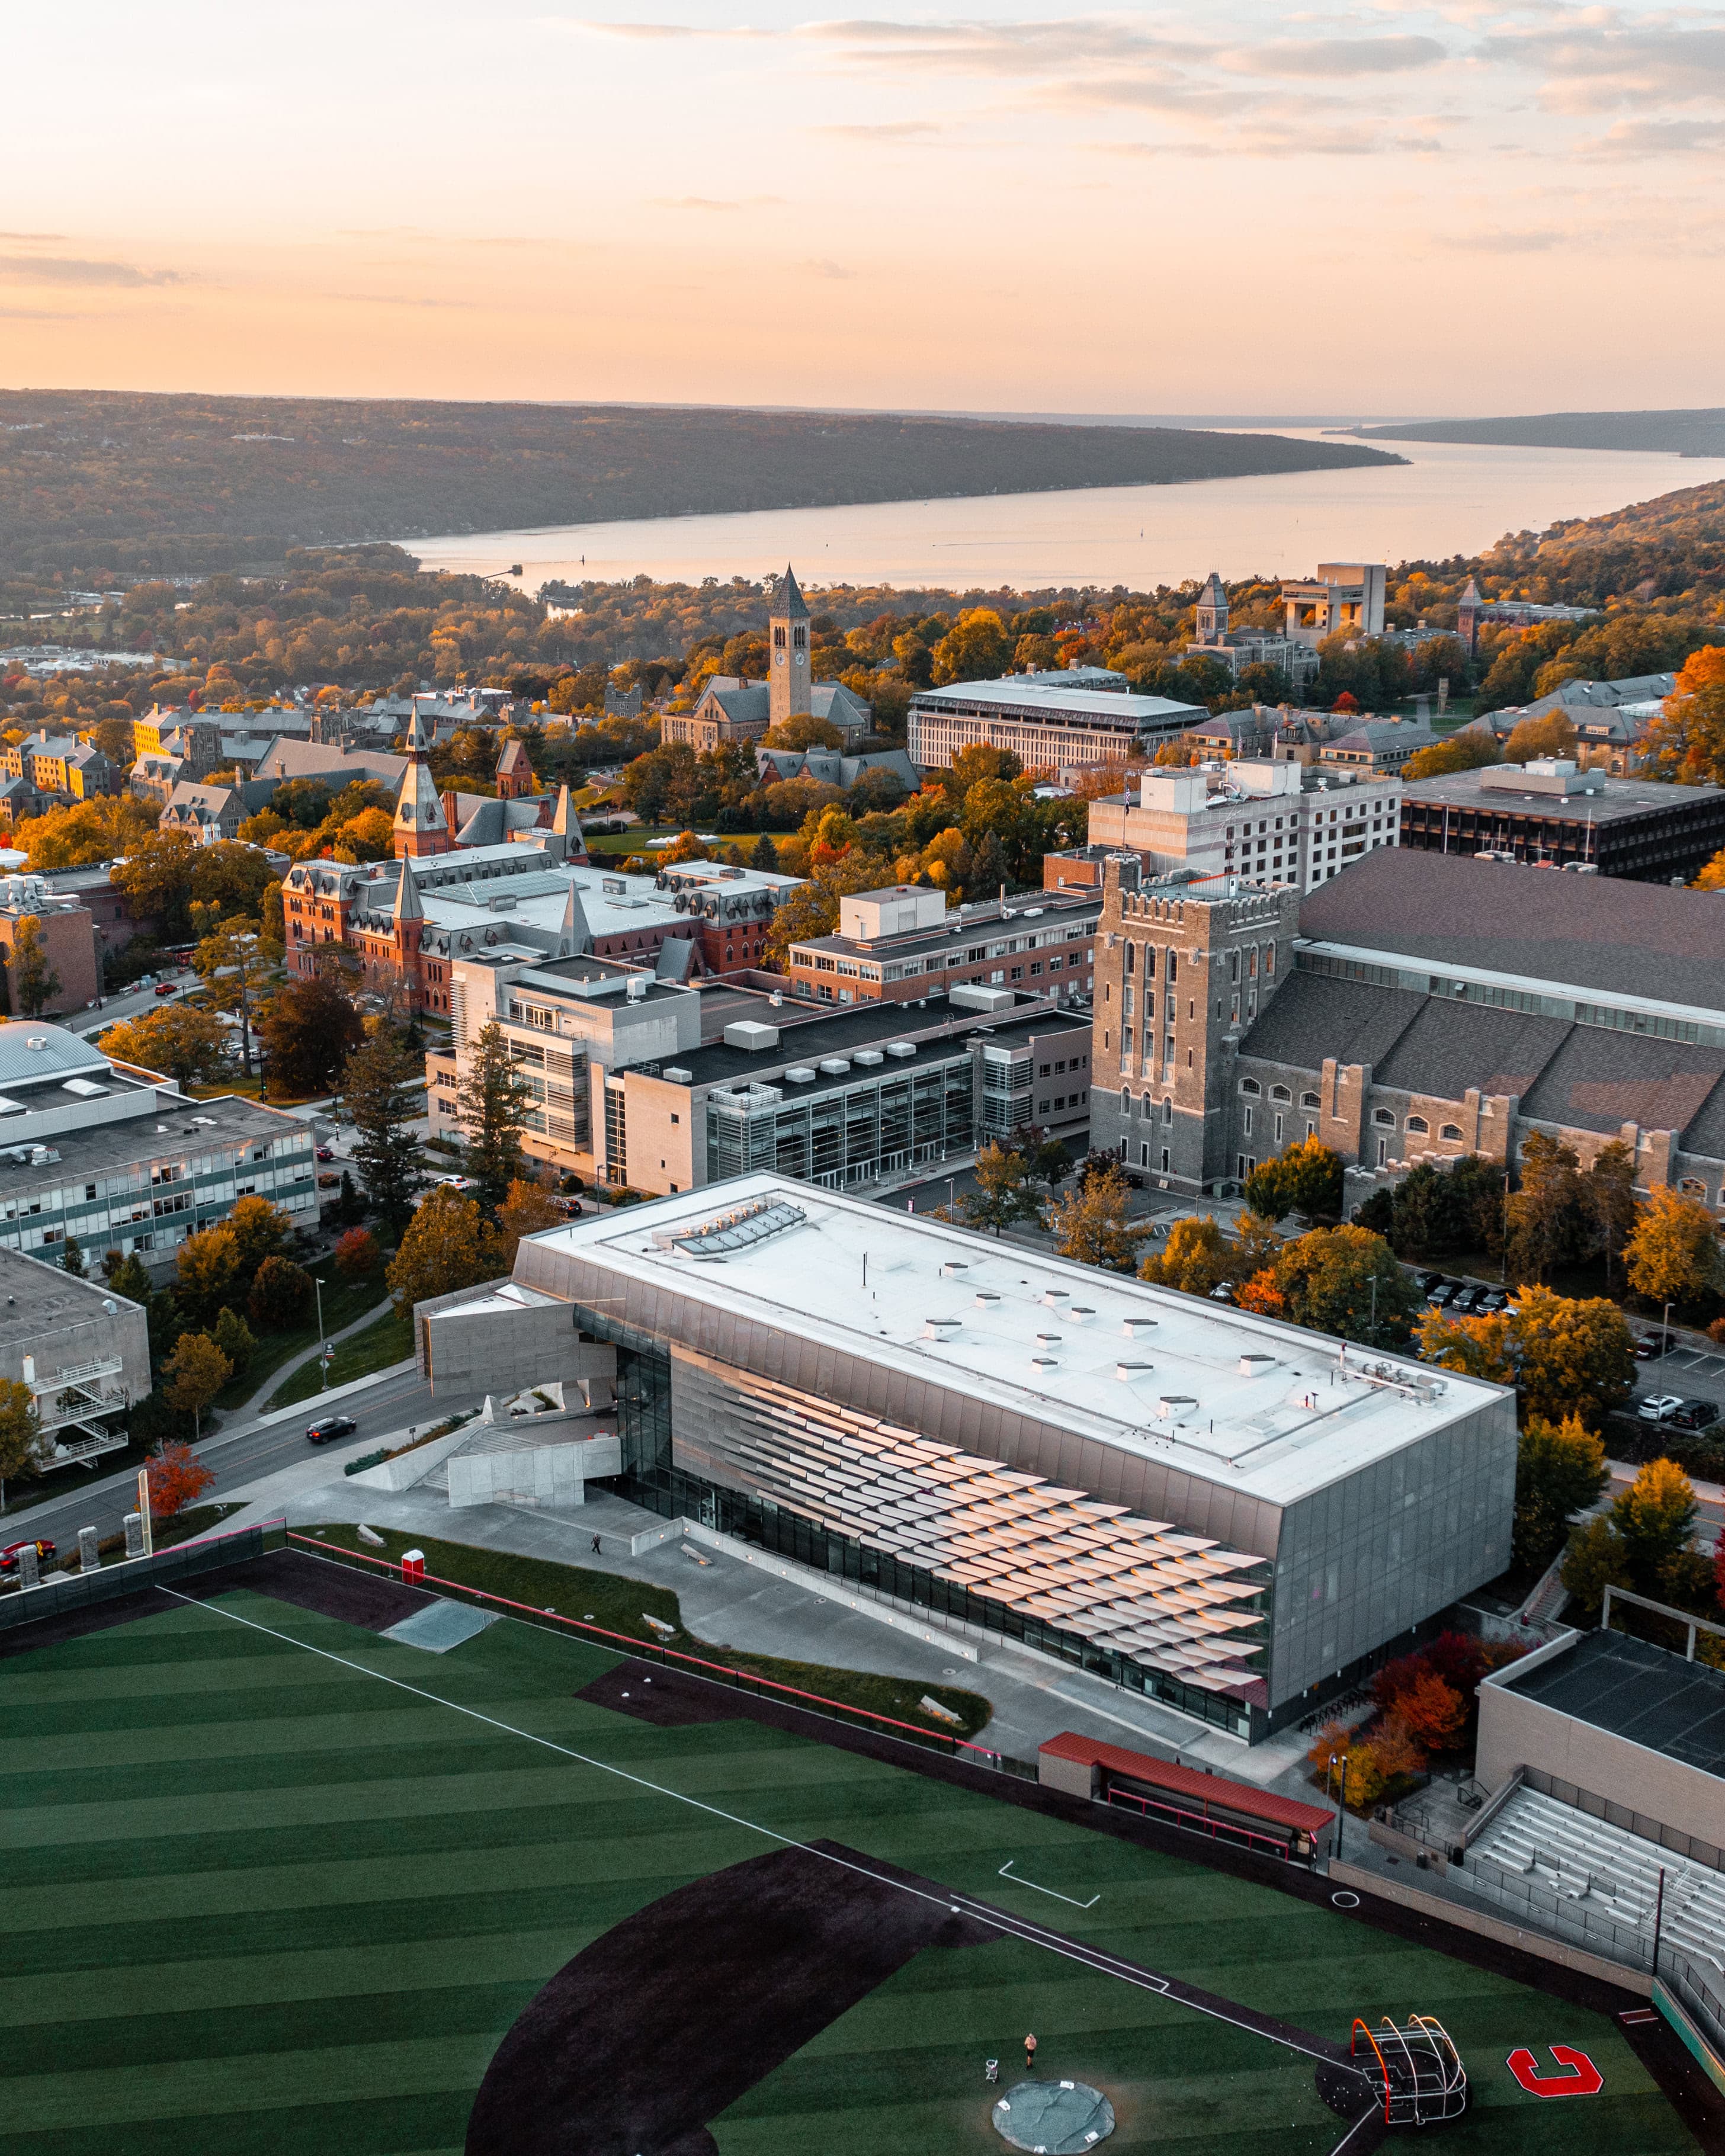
(82, 1352)
(1223, 1512)
(1046, 725)
(1553, 814)
(630, 1089)
(118, 1159)
(1343, 597)
(1238, 648)
(903, 944)
(1278, 821)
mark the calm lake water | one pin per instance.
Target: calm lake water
(1448, 499)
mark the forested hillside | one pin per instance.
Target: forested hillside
(102, 484)
(1699, 432)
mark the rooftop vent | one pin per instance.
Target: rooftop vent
(37, 1040)
(677, 1074)
(954, 1266)
(939, 1328)
(1254, 1366)
(85, 1089)
(636, 988)
(1132, 1327)
(1052, 1295)
(869, 1057)
(1172, 1405)
(1125, 1371)
(1048, 1340)
(750, 1034)
(901, 1048)
(986, 1298)
(835, 1066)
(1040, 1364)
(1079, 1313)
(800, 1073)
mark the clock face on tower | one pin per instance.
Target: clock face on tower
(779, 656)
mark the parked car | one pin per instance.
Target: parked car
(1222, 1292)
(166, 988)
(324, 1153)
(1443, 1295)
(1426, 1282)
(1466, 1302)
(1652, 1345)
(327, 1427)
(10, 1555)
(1661, 1408)
(329, 1183)
(1494, 1299)
(1696, 1415)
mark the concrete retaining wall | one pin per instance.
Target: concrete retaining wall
(413, 1467)
(551, 1477)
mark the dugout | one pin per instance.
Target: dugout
(1185, 1797)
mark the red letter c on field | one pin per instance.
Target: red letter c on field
(1582, 2078)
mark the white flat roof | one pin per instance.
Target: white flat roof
(1242, 1401)
(1105, 704)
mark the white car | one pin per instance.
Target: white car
(1661, 1408)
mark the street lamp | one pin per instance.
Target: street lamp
(323, 1360)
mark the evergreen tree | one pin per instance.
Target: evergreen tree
(765, 855)
(493, 1101)
(72, 1258)
(376, 1085)
(129, 1278)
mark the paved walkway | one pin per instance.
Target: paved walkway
(727, 1603)
(279, 1376)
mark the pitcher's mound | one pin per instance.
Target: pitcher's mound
(1056, 2118)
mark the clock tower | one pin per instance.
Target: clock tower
(787, 672)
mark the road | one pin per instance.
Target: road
(244, 1456)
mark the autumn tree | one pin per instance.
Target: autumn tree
(446, 1247)
(492, 1102)
(1346, 1281)
(528, 1209)
(34, 983)
(378, 1089)
(184, 1043)
(1307, 1179)
(1551, 734)
(1468, 749)
(177, 1477)
(1003, 1194)
(1560, 1471)
(1195, 1258)
(1672, 1254)
(1566, 1356)
(207, 1274)
(1092, 1225)
(977, 648)
(1654, 1518)
(1687, 741)
(193, 1375)
(1595, 1560)
(309, 1028)
(357, 1256)
(281, 1295)
(234, 962)
(20, 1432)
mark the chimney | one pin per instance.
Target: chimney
(450, 815)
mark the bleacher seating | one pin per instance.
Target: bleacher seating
(1606, 1873)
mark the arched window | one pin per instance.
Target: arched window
(1309, 1100)
(1167, 1110)
(1250, 1086)
(1418, 1123)
(1279, 1093)
(1452, 1132)
(1385, 1116)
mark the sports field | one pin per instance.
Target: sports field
(273, 1884)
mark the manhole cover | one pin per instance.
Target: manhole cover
(1054, 2118)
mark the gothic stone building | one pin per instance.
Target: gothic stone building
(1419, 1007)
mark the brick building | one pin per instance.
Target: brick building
(67, 934)
(902, 945)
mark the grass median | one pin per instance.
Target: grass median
(387, 1340)
(621, 1604)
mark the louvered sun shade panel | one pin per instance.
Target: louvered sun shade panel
(1173, 1602)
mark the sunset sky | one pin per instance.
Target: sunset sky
(1378, 210)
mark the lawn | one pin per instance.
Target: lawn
(261, 1904)
(619, 1604)
(387, 1339)
(344, 1300)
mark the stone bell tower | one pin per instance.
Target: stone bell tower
(788, 674)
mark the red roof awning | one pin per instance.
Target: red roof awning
(1187, 1782)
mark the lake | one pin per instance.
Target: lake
(1448, 499)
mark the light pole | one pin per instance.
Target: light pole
(1664, 1330)
(323, 1366)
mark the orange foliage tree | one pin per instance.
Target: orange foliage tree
(177, 1476)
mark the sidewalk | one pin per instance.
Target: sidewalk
(249, 1409)
(727, 1603)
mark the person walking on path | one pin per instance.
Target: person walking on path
(1030, 2054)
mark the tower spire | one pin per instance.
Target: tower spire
(420, 824)
(788, 674)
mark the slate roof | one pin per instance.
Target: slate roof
(1451, 1046)
(1600, 1079)
(1311, 1017)
(1577, 932)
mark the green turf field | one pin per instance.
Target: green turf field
(259, 1902)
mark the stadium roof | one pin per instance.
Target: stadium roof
(1229, 1398)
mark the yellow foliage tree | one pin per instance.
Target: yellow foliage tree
(1672, 1254)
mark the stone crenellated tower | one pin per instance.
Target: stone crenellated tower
(1183, 968)
(789, 678)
